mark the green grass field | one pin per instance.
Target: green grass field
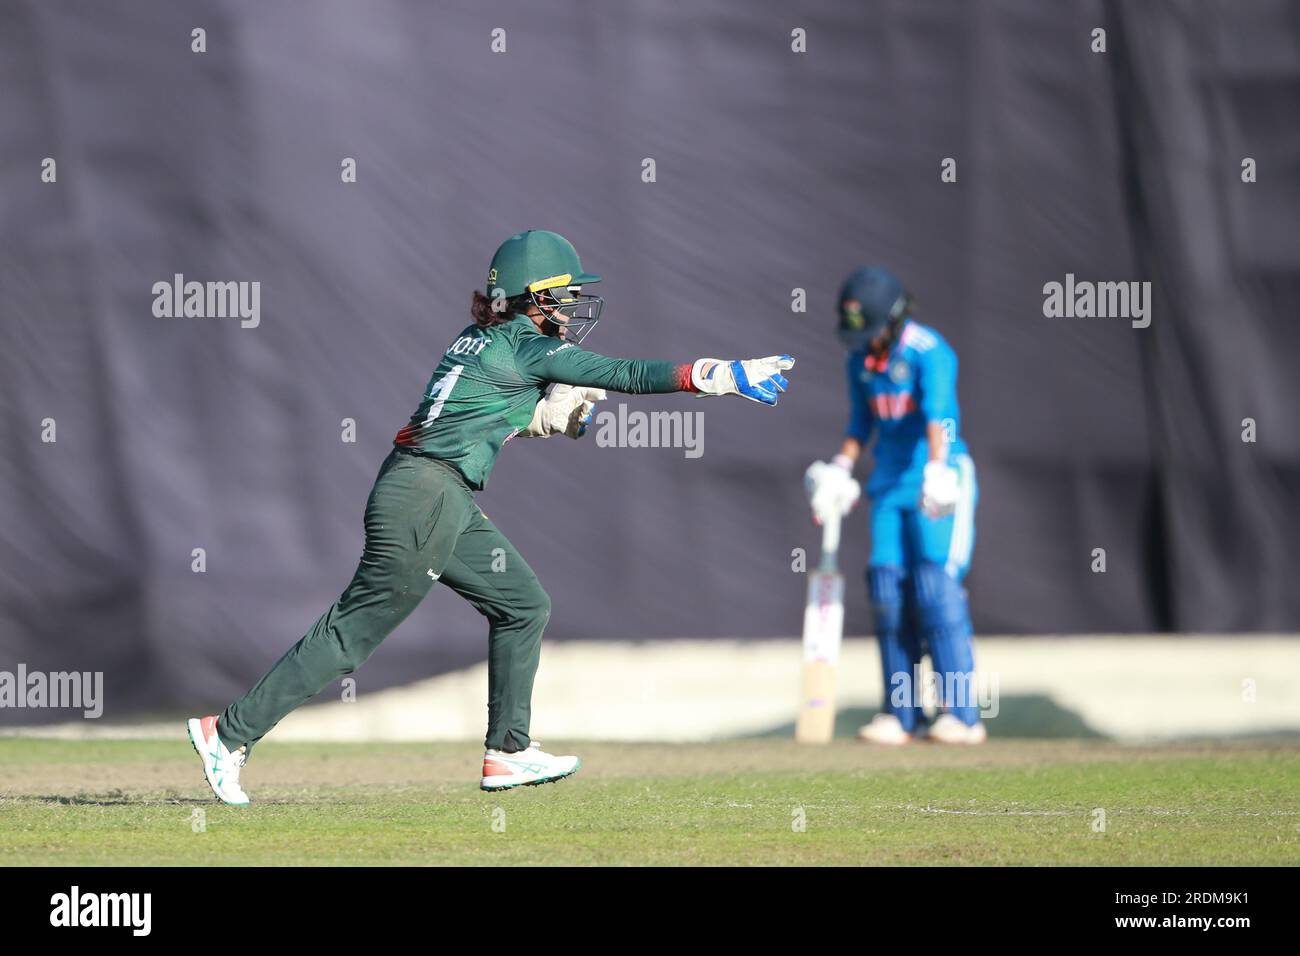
(1010, 802)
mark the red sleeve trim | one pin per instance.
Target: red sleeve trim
(684, 383)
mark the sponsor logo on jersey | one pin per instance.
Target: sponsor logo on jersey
(893, 407)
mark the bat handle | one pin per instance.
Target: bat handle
(830, 540)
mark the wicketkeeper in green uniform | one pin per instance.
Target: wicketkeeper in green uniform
(517, 371)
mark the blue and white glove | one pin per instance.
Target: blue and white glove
(759, 380)
(566, 410)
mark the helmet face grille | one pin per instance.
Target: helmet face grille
(572, 313)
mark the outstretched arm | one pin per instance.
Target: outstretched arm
(759, 380)
(550, 360)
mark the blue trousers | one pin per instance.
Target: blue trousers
(915, 580)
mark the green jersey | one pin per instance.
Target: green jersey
(490, 379)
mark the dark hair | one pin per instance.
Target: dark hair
(487, 312)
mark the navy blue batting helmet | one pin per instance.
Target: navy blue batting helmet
(870, 300)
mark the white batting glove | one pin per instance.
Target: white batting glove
(759, 380)
(939, 489)
(566, 410)
(832, 490)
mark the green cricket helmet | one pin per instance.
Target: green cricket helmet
(543, 268)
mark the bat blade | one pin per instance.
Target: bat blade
(823, 632)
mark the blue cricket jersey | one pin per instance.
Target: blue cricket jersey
(914, 384)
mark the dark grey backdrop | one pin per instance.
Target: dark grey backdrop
(776, 170)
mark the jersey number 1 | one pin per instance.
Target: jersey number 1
(440, 392)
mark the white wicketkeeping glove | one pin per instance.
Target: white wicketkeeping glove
(940, 488)
(566, 410)
(759, 380)
(832, 491)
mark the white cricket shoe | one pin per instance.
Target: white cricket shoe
(220, 766)
(949, 729)
(525, 768)
(886, 729)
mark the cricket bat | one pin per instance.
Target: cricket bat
(823, 631)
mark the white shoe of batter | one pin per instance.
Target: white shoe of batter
(885, 729)
(948, 729)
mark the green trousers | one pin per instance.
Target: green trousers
(422, 526)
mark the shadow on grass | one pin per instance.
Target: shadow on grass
(113, 799)
(1025, 717)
